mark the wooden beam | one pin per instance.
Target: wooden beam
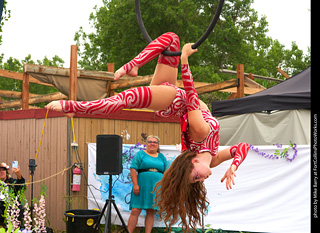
(283, 73)
(73, 73)
(99, 75)
(11, 74)
(25, 90)
(14, 94)
(19, 76)
(254, 75)
(51, 70)
(217, 86)
(127, 81)
(250, 83)
(196, 84)
(247, 90)
(240, 77)
(34, 100)
(59, 71)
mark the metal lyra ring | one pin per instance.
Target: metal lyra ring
(195, 45)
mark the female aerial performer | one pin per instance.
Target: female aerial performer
(179, 193)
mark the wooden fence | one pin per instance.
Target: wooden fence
(20, 137)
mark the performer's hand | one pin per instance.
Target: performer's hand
(136, 189)
(229, 176)
(187, 50)
(54, 106)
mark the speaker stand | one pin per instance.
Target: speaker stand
(109, 202)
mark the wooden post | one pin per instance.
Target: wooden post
(72, 96)
(240, 77)
(110, 92)
(283, 73)
(25, 89)
(73, 73)
(111, 67)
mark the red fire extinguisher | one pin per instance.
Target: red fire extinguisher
(76, 179)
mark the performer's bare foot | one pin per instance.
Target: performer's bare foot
(56, 106)
(121, 72)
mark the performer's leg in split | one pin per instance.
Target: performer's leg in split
(139, 97)
(156, 97)
(167, 41)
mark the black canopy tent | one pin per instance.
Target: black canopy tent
(294, 93)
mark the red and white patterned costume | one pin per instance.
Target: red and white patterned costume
(139, 97)
(211, 142)
(167, 41)
(185, 100)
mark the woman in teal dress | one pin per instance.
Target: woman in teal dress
(147, 168)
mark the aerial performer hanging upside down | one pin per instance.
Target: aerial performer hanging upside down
(181, 192)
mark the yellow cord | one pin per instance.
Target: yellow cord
(45, 120)
(74, 138)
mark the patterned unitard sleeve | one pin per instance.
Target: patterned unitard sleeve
(239, 153)
(193, 102)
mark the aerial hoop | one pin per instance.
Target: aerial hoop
(195, 45)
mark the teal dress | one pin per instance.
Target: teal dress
(147, 180)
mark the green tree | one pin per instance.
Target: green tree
(118, 38)
(6, 14)
(239, 37)
(13, 64)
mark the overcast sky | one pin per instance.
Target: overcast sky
(46, 28)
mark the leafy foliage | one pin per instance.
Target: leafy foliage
(6, 14)
(239, 37)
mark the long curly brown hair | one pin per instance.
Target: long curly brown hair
(177, 197)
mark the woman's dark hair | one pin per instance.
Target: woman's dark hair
(177, 197)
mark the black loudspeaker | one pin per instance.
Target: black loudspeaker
(109, 155)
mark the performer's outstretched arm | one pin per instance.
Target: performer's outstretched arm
(238, 153)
